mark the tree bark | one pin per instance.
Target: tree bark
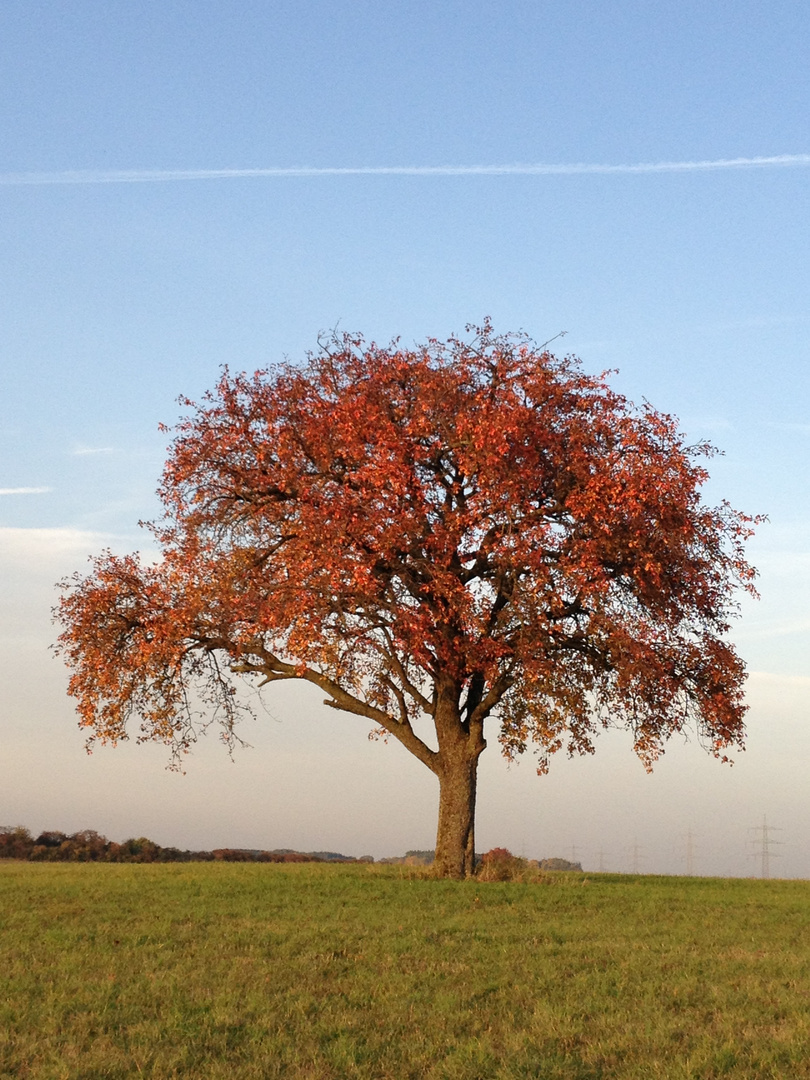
(456, 765)
(455, 840)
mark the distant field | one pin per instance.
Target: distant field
(311, 971)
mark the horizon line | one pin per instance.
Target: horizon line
(140, 176)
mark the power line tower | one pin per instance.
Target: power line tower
(764, 844)
(690, 854)
(637, 856)
(601, 868)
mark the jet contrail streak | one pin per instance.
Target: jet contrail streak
(143, 176)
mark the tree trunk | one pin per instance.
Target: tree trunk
(455, 841)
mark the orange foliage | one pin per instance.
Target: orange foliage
(463, 530)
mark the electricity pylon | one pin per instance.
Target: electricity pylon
(636, 850)
(690, 854)
(765, 845)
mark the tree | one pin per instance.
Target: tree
(451, 536)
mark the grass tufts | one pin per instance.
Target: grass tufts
(318, 972)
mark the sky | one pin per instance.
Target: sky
(186, 185)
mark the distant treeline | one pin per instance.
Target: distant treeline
(90, 846)
(414, 858)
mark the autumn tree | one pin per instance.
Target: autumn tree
(460, 536)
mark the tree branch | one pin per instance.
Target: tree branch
(391, 655)
(273, 669)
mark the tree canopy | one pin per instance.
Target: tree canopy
(466, 532)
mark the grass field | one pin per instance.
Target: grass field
(311, 971)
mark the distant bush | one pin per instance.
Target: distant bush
(415, 857)
(243, 855)
(15, 842)
(560, 864)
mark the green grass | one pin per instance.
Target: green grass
(240, 970)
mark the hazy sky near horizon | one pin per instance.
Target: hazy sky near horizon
(187, 185)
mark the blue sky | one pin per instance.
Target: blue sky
(117, 297)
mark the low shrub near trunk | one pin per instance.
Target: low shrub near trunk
(499, 864)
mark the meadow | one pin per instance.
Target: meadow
(319, 971)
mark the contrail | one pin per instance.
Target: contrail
(144, 176)
(24, 490)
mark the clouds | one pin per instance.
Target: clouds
(141, 176)
(32, 559)
(31, 562)
(31, 546)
